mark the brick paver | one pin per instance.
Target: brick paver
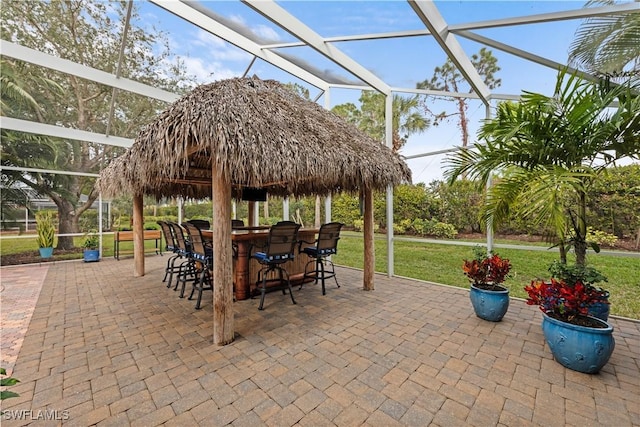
(105, 348)
(19, 290)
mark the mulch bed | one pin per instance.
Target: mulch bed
(33, 257)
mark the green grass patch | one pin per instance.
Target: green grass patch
(17, 245)
(443, 264)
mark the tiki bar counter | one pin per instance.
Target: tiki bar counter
(245, 269)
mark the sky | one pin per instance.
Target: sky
(399, 62)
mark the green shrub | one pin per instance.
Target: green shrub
(601, 238)
(358, 225)
(442, 229)
(91, 241)
(45, 228)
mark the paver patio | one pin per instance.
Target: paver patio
(104, 348)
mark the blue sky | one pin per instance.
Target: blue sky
(399, 62)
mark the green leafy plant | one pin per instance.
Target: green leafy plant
(45, 228)
(91, 241)
(545, 153)
(572, 274)
(7, 382)
(601, 238)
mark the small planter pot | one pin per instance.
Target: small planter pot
(91, 255)
(46, 252)
(579, 348)
(488, 304)
(600, 309)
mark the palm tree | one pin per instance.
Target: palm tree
(547, 150)
(370, 118)
(608, 45)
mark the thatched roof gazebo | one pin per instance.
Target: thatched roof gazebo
(246, 132)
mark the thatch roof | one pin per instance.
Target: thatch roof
(260, 134)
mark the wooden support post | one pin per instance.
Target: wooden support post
(223, 332)
(252, 213)
(138, 236)
(369, 248)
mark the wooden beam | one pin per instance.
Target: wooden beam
(223, 318)
(138, 236)
(369, 248)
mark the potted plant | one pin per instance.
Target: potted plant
(91, 247)
(487, 272)
(587, 276)
(46, 233)
(577, 341)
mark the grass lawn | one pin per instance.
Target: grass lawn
(443, 264)
(16, 245)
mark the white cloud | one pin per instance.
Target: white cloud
(216, 48)
(207, 71)
(266, 33)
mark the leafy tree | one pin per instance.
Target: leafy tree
(614, 201)
(87, 32)
(608, 45)
(460, 204)
(448, 78)
(370, 117)
(345, 208)
(548, 151)
(298, 89)
(413, 201)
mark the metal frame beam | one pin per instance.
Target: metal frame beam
(197, 15)
(430, 16)
(272, 11)
(549, 17)
(45, 60)
(63, 132)
(505, 22)
(524, 54)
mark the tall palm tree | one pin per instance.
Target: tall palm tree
(547, 150)
(407, 119)
(608, 45)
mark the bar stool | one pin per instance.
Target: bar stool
(325, 245)
(280, 248)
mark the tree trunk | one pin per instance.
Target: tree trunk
(580, 243)
(563, 252)
(463, 122)
(67, 223)
(223, 315)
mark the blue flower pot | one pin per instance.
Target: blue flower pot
(600, 309)
(490, 305)
(579, 348)
(91, 255)
(46, 252)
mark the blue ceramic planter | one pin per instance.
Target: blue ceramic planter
(46, 252)
(490, 305)
(91, 255)
(600, 309)
(579, 348)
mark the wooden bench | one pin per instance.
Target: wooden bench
(127, 236)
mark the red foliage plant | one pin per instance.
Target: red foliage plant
(562, 301)
(487, 270)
